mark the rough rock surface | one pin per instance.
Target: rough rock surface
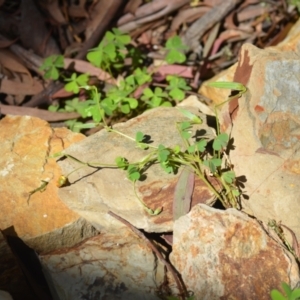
(227, 255)
(265, 125)
(108, 266)
(93, 192)
(266, 132)
(45, 223)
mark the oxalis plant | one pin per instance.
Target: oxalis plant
(205, 158)
(123, 98)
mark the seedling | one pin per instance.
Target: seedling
(51, 66)
(120, 99)
(195, 156)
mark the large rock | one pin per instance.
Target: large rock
(227, 255)
(108, 266)
(93, 192)
(265, 126)
(42, 221)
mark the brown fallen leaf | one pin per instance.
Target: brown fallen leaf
(13, 87)
(35, 112)
(82, 66)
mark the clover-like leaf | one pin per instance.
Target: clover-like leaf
(228, 176)
(125, 108)
(220, 141)
(201, 145)
(139, 137)
(163, 153)
(133, 173)
(213, 164)
(185, 125)
(121, 162)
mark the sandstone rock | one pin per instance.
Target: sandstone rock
(227, 255)
(45, 223)
(265, 125)
(93, 192)
(108, 266)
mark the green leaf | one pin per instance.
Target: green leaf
(121, 162)
(139, 137)
(110, 51)
(82, 79)
(53, 108)
(295, 294)
(213, 164)
(122, 39)
(125, 108)
(176, 149)
(133, 103)
(59, 61)
(220, 141)
(95, 56)
(72, 87)
(195, 119)
(148, 92)
(235, 192)
(142, 76)
(287, 289)
(228, 85)
(175, 42)
(177, 94)
(201, 145)
(185, 125)
(133, 173)
(163, 153)
(52, 73)
(176, 48)
(191, 149)
(276, 295)
(175, 56)
(166, 104)
(186, 135)
(228, 176)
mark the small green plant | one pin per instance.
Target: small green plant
(289, 293)
(119, 99)
(195, 155)
(51, 66)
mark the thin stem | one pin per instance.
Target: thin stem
(128, 137)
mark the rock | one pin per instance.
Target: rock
(265, 126)
(227, 255)
(92, 193)
(108, 266)
(265, 130)
(5, 295)
(11, 275)
(45, 223)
